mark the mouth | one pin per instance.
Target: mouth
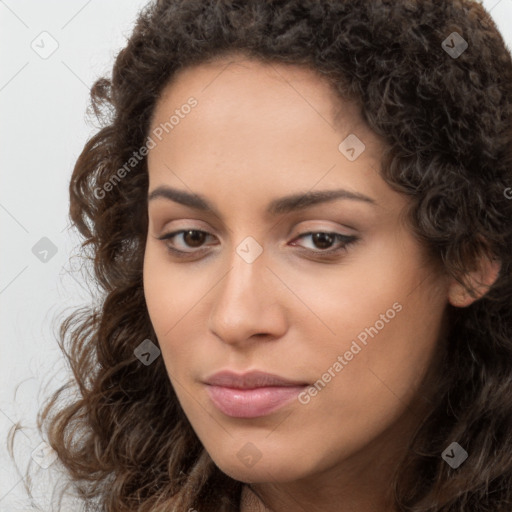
(251, 395)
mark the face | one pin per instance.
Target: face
(330, 293)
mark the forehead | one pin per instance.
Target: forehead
(258, 125)
(229, 78)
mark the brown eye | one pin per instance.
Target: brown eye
(182, 241)
(323, 240)
(194, 238)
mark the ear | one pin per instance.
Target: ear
(478, 281)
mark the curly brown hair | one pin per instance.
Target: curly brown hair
(124, 439)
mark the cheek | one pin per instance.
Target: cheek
(380, 324)
(170, 293)
(383, 363)
(170, 298)
(359, 298)
(356, 401)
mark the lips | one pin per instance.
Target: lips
(250, 380)
(252, 394)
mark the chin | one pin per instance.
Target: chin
(264, 470)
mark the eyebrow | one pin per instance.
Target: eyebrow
(278, 206)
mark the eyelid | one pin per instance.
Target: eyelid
(181, 231)
(346, 241)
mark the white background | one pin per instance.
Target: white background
(43, 128)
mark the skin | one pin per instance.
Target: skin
(261, 132)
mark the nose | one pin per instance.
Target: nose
(246, 305)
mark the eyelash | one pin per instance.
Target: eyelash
(347, 241)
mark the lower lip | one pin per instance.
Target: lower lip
(252, 403)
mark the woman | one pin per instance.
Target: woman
(298, 214)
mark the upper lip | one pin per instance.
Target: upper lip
(249, 380)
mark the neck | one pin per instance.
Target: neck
(251, 501)
(261, 500)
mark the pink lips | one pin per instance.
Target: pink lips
(251, 394)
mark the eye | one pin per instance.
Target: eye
(323, 242)
(190, 238)
(194, 240)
